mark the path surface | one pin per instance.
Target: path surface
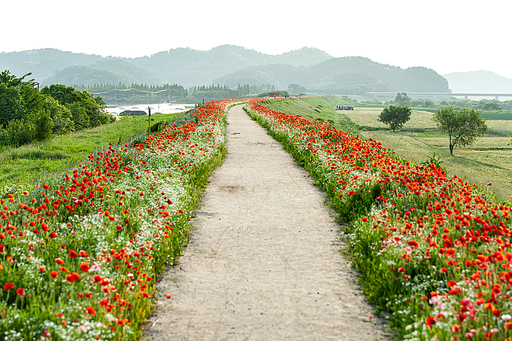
(263, 262)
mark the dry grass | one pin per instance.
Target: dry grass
(367, 118)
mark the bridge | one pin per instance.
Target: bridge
(440, 94)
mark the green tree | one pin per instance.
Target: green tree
(86, 110)
(11, 80)
(296, 89)
(463, 126)
(43, 124)
(402, 99)
(395, 116)
(60, 115)
(79, 116)
(11, 104)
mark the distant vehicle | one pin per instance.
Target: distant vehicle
(344, 107)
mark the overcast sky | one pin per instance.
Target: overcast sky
(447, 36)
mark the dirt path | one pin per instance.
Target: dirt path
(263, 262)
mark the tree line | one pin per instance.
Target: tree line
(28, 114)
(143, 93)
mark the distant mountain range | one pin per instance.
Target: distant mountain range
(225, 65)
(479, 81)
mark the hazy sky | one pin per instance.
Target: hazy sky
(447, 36)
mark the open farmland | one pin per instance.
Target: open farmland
(489, 159)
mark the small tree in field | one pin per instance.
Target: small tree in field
(463, 126)
(395, 116)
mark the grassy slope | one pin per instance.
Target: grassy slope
(50, 158)
(319, 108)
(488, 160)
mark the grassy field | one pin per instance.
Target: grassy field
(489, 159)
(31, 163)
(316, 108)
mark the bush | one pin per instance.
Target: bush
(19, 132)
(11, 104)
(43, 125)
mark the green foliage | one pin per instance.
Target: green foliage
(11, 104)
(402, 99)
(79, 116)
(11, 80)
(27, 114)
(213, 92)
(296, 89)
(60, 115)
(463, 126)
(433, 160)
(395, 116)
(86, 110)
(43, 124)
(18, 132)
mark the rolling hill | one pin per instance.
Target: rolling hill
(479, 81)
(225, 65)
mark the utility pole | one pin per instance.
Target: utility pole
(149, 121)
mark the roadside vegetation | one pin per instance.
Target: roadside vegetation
(433, 249)
(488, 160)
(51, 158)
(27, 114)
(80, 253)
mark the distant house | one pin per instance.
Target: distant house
(344, 107)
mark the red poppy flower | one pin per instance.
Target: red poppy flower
(8, 286)
(84, 267)
(21, 292)
(90, 311)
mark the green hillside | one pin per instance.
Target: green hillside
(348, 75)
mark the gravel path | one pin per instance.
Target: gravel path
(264, 259)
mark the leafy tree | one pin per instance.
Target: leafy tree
(463, 126)
(60, 115)
(296, 89)
(63, 94)
(43, 124)
(402, 99)
(79, 116)
(11, 104)
(19, 132)
(86, 110)
(395, 116)
(11, 80)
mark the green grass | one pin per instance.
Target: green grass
(489, 159)
(39, 160)
(316, 108)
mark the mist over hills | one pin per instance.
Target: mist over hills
(343, 75)
(479, 81)
(225, 65)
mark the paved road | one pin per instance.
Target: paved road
(263, 262)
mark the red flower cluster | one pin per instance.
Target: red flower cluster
(434, 229)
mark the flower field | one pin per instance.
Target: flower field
(435, 252)
(79, 255)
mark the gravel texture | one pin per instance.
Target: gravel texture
(264, 260)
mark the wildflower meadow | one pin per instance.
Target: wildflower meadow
(434, 251)
(79, 255)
